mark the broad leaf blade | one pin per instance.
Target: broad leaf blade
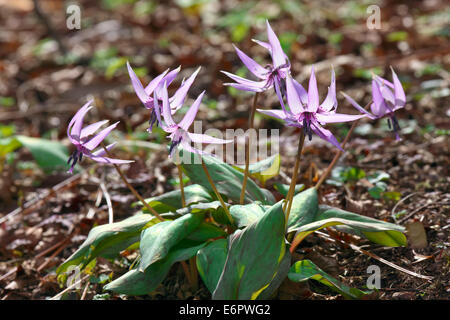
(171, 201)
(210, 262)
(254, 256)
(227, 179)
(137, 283)
(157, 240)
(305, 269)
(247, 214)
(304, 209)
(108, 239)
(381, 232)
(49, 155)
(265, 169)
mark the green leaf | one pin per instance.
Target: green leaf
(305, 269)
(280, 276)
(157, 240)
(49, 155)
(8, 145)
(108, 239)
(244, 215)
(263, 170)
(304, 209)
(227, 179)
(171, 201)
(381, 232)
(210, 262)
(254, 256)
(284, 188)
(205, 232)
(135, 282)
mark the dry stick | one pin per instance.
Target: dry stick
(180, 176)
(213, 186)
(194, 274)
(136, 194)
(187, 273)
(251, 121)
(70, 287)
(374, 256)
(31, 204)
(85, 291)
(338, 154)
(291, 191)
(108, 203)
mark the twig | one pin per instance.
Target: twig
(412, 213)
(32, 203)
(9, 273)
(399, 202)
(251, 121)
(69, 287)
(374, 256)
(136, 194)
(85, 291)
(108, 202)
(53, 247)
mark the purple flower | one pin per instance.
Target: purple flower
(269, 76)
(387, 97)
(85, 141)
(306, 112)
(145, 95)
(179, 134)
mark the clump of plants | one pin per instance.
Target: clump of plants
(224, 227)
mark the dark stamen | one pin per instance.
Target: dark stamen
(389, 123)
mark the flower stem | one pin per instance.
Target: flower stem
(194, 273)
(180, 176)
(213, 186)
(251, 121)
(291, 191)
(136, 194)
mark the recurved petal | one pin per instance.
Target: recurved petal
(180, 95)
(325, 135)
(101, 152)
(107, 160)
(379, 107)
(293, 97)
(251, 64)
(313, 93)
(280, 114)
(203, 138)
(246, 82)
(357, 106)
(338, 117)
(191, 113)
(90, 129)
(167, 114)
(278, 55)
(97, 139)
(263, 44)
(244, 87)
(301, 92)
(155, 83)
(78, 123)
(330, 101)
(400, 97)
(137, 85)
